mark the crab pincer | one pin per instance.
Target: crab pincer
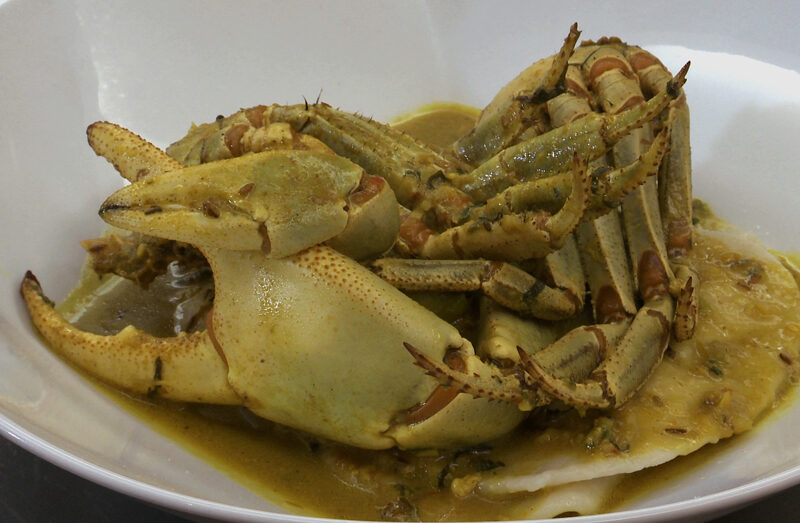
(277, 202)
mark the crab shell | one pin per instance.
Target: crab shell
(315, 341)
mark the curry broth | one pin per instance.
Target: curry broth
(304, 474)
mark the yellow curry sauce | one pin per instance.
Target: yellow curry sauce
(741, 361)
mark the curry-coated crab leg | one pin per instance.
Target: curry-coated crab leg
(506, 284)
(609, 361)
(468, 374)
(618, 87)
(573, 368)
(512, 237)
(608, 186)
(585, 389)
(675, 180)
(675, 172)
(589, 136)
(601, 243)
(564, 370)
(517, 107)
(630, 361)
(610, 76)
(614, 79)
(675, 187)
(569, 358)
(608, 275)
(605, 262)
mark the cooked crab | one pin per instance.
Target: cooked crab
(302, 334)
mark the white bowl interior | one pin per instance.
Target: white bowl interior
(155, 67)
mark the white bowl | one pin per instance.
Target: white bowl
(156, 66)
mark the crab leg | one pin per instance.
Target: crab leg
(508, 285)
(588, 136)
(613, 79)
(675, 180)
(574, 103)
(606, 266)
(685, 318)
(471, 376)
(563, 270)
(410, 168)
(639, 352)
(557, 371)
(607, 270)
(511, 237)
(518, 107)
(600, 241)
(630, 363)
(636, 346)
(186, 367)
(583, 348)
(609, 186)
(675, 189)
(564, 369)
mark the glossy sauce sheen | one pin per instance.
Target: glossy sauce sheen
(308, 476)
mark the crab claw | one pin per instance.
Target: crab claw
(186, 367)
(279, 202)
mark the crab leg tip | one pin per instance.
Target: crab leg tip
(112, 207)
(674, 85)
(30, 281)
(415, 352)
